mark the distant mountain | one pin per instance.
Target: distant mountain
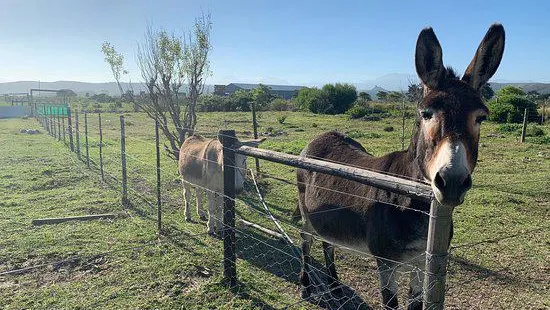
(541, 88)
(393, 81)
(388, 82)
(81, 88)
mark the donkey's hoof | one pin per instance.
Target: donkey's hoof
(306, 293)
(188, 219)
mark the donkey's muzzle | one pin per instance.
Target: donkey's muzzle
(451, 185)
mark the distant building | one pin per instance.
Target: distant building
(219, 90)
(283, 91)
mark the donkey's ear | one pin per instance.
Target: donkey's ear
(487, 58)
(429, 59)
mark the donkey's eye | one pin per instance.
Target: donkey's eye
(427, 114)
(481, 118)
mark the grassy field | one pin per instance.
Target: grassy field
(502, 232)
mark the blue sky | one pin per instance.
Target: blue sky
(310, 42)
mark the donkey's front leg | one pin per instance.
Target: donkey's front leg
(186, 200)
(416, 286)
(328, 250)
(307, 288)
(388, 283)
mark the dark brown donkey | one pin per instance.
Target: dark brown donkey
(443, 152)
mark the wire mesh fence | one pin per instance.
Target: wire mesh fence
(268, 241)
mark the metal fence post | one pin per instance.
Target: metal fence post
(77, 133)
(439, 232)
(228, 141)
(86, 138)
(123, 160)
(70, 128)
(524, 127)
(101, 150)
(157, 145)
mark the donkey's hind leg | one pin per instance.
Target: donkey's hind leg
(307, 288)
(200, 210)
(334, 283)
(186, 200)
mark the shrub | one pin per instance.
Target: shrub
(508, 128)
(388, 128)
(534, 131)
(541, 140)
(358, 111)
(371, 118)
(509, 108)
(281, 119)
(331, 99)
(279, 104)
(314, 125)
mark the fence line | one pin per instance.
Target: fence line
(229, 227)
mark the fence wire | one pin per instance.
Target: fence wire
(277, 261)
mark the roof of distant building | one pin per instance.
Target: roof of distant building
(273, 87)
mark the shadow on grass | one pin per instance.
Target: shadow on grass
(282, 260)
(478, 272)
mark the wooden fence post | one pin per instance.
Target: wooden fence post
(86, 139)
(70, 128)
(77, 133)
(157, 145)
(439, 232)
(63, 125)
(101, 150)
(542, 114)
(58, 127)
(524, 127)
(123, 160)
(228, 140)
(403, 125)
(255, 130)
(54, 128)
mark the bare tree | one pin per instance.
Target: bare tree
(167, 62)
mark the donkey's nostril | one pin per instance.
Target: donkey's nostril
(439, 182)
(468, 182)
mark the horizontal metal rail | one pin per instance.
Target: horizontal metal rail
(394, 184)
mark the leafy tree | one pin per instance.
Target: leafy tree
(262, 96)
(365, 96)
(340, 97)
(242, 100)
(395, 96)
(487, 92)
(510, 90)
(415, 92)
(312, 99)
(382, 95)
(509, 108)
(533, 95)
(116, 62)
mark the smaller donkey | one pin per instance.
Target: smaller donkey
(201, 166)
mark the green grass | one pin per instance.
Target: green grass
(41, 178)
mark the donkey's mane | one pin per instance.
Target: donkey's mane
(450, 74)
